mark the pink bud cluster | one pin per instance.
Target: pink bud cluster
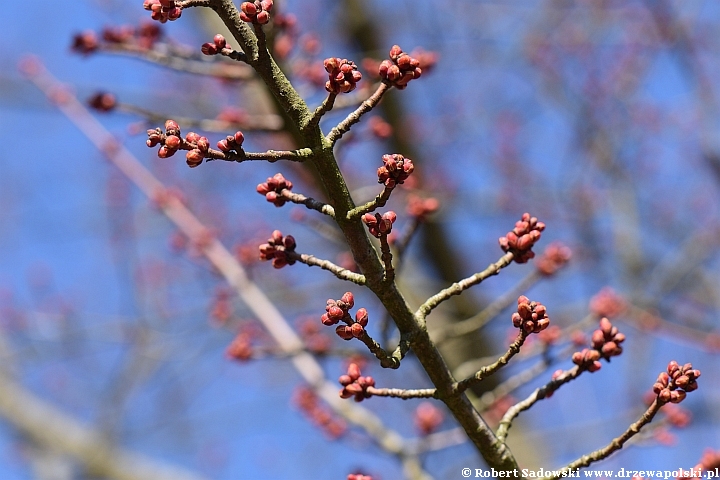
(355, 385)
(240, 348)
(310, 405)
(198, 146)
(521, 239)
(338, 310)
(531, 317)
(103, 101)
(395, 170)
(379, 225)
(144, 37)
(275, 249)
(607, 339)
(163, 10)
(428, 418)
(605, 344)
(420, 208)
(400, 69)
(358, 476)
(232, 142)
(672, 386)
(607, 303)
(272, 189)
(555, 256)
(257, 12)
(217, 45)
(343, 75)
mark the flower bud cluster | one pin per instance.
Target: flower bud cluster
(555, 256)
(607, 303)
(257, 12)
(232, 142)
(400, 69)
(217, 45)
(531, 317)
(521, 239)
(310, 405)
(343, 75)
(338, 310)
(379, 225)
(171, 141)
(198, 147)
(355, 385)
(605, 344)
(276, 249)
(144, 37)
(103, 101)
(358, 476)
(607, 339)
(420, 208)
(163, 10)
(428, 418)
(395, 170)
(272, 189)
(240, 348)
(672, 386)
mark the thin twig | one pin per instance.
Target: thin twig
(270, 122)
(309, 202)
(537, 395)
(344, 126)
(485, 372)
(615, 445)
(462, 285)
(324, 107)
(476, 322)
(173, 58)
(387, 259)
(377, 202)
(403, 393)
(339, 272)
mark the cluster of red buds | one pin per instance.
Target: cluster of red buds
(672, 386)
(310, 405)
(272, 189)
(531, 317)
(607, 303)
(420, 208)
(171, 141)
(400, 69)
(221, 308)
(315, 340)
(240, 348)
(232, 142)
(395, 170)
(379, 225)
(199, 146)
(428, 418)
(358, 476)
(338, 310)
(355, 385)
(257, 12)
(103, 101)
(343, 75)
(555, 256)
(144, 36)
(275, 249)
(606, 342)
(217, 45)
(163, 10)
(521, 239)
(607, 339)
(85, 43)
